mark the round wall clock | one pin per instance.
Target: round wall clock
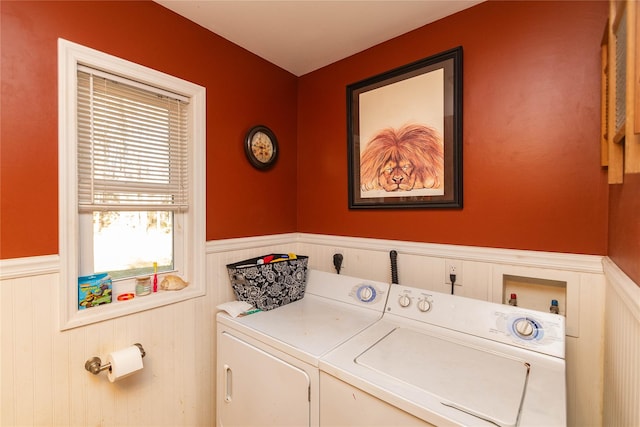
(261, 147)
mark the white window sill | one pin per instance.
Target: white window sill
(137, 304)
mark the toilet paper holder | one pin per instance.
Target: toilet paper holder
(95, 366)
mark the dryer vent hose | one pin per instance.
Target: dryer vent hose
(394, 266)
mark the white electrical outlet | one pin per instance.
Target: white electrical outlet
(453, 266)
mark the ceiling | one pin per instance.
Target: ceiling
(301, 36)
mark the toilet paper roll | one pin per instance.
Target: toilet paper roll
(124, 363)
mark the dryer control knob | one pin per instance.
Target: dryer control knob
(524, 327)
(404, 300)
(424, 305)
(366, 293)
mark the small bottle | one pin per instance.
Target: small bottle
(143, 285)
(513, 300)
(554, 307)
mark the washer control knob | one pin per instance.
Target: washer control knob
(524, 327)
(424, 305)
(404, 300)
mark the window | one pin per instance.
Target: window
(127, 243)
(132, 173)
(132, 176)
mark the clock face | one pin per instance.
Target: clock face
(261, 147)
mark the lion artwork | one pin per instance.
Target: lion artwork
(409, 158)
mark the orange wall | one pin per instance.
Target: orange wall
(532, 176)
(242, 90)
(531, 121)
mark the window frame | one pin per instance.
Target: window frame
(193, 245)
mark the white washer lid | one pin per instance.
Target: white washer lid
(482, 383)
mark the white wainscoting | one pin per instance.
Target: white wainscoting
(44, 383)
(621, 350)
(42, 377)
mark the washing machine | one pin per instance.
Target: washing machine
(444, 360)
(267, 362)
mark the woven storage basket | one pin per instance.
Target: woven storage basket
(270, 285)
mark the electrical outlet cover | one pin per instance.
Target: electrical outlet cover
(453, 266)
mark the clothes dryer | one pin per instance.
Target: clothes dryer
(267, 362)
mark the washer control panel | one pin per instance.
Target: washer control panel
(528, 328)
(418, 300)
(534, 330)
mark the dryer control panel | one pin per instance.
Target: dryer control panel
(351, 290)
(533, 330)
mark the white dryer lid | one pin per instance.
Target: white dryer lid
(312, 325)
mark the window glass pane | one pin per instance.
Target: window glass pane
(127, 243)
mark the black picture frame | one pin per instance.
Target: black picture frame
(405, 136)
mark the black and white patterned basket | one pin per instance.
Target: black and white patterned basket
(271, 285)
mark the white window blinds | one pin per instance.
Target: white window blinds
(132, 145)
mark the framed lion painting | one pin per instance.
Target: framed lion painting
(405, 136)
